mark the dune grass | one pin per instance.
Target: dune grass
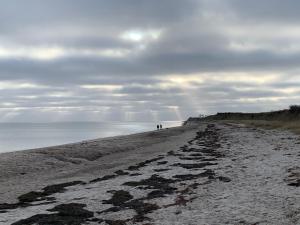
(293, 126)
(286, 119)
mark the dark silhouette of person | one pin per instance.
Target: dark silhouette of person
(160, 126)
(157, 127)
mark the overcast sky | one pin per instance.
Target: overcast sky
(142, 60)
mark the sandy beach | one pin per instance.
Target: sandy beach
(199, 174)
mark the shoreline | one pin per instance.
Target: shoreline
(36, 168)
(82, 142)
(21, 137)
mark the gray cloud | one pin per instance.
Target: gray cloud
(146, 60)
(270, 10)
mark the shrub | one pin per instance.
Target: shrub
(294, 109)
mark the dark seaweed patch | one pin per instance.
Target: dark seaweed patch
(190, 150)
(33, 196)
(106, 177)
(295, 183)
(67, 214)
(162, 163)
(208, 173)
(49, 190)
(154, 182)
(135, 174)
(121, 173)
(194, 165)
(138, 205)
(142, 209)
(293, 177)
(119, 198)
(191, 158)
(6, 206)
(116, 222)
(196, 155)
(209, 160)
(161, 170)
(224, 179)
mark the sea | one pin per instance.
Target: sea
(22, 136)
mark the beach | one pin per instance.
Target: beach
(198, 174)
(23, 171)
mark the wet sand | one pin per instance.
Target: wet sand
(195, 175)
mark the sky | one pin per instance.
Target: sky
(141, 60)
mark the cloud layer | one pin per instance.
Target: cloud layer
(140, 60)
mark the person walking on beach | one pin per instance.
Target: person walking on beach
(157, 127)
(160, 126)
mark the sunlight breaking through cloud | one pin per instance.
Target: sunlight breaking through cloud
(141, 35)
(154, 61)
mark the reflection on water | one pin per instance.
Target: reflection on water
(19, 136)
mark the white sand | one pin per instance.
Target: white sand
(260, 165)
(83, 161)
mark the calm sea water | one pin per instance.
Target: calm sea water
(20, 136)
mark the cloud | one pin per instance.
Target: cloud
(270, 11)
(146, 60)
